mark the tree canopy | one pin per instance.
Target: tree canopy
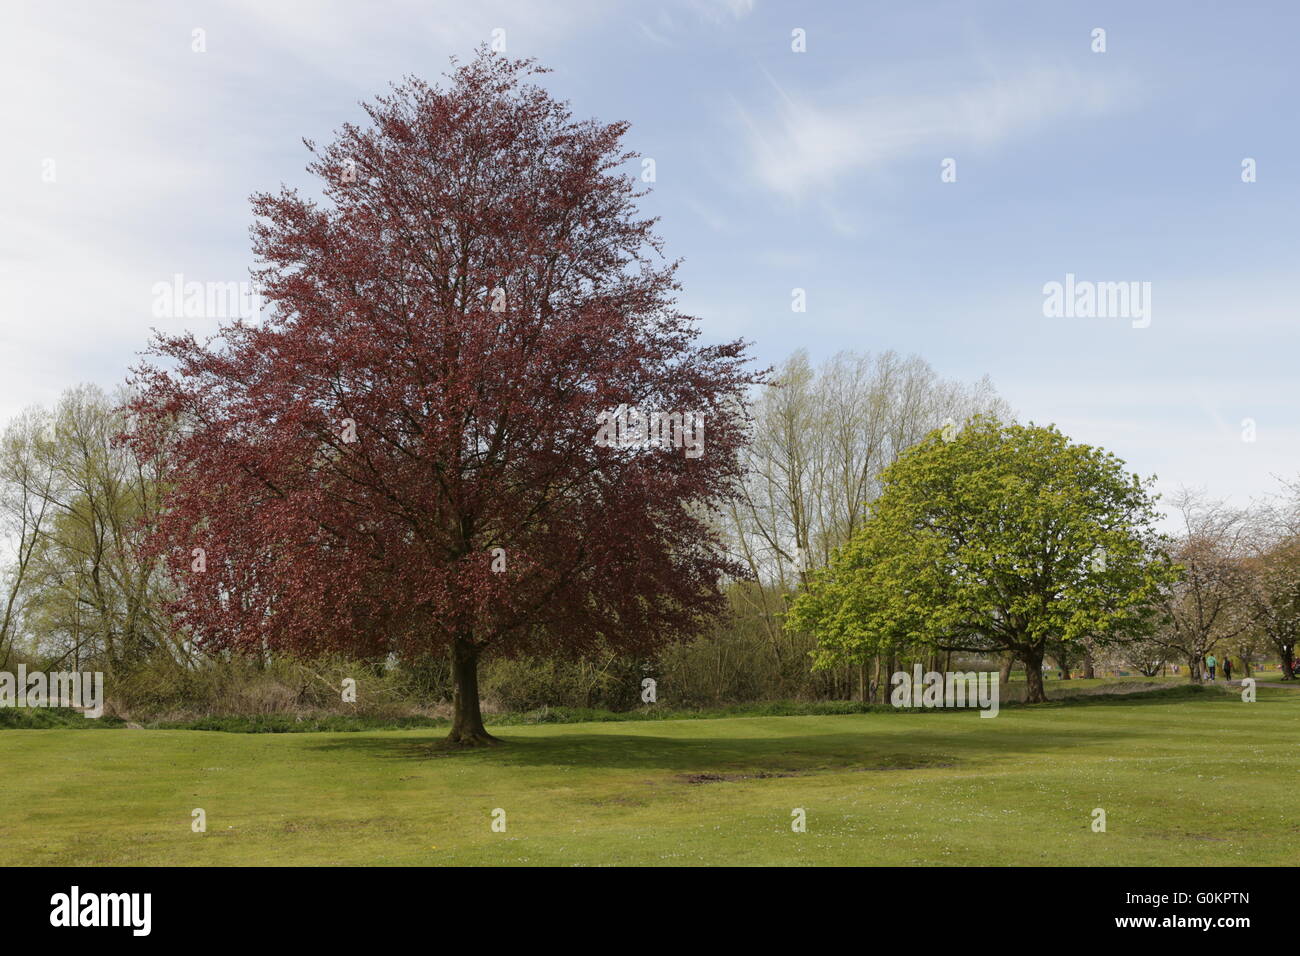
(403, 458)
(993, 537)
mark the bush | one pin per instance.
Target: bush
(237, 686)
(524, 684)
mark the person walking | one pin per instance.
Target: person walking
(1211, 663)
(1227, 668)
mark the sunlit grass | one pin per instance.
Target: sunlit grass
(1199, 779)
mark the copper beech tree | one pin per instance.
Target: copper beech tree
(405, 455)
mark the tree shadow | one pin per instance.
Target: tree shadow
(744, 757)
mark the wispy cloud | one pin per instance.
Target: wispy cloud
(669, 23)
(805, 144)
(719, 10)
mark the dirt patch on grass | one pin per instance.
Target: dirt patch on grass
(729, 777)
(716, 777)
(901, 766)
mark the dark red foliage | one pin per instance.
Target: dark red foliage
(474, 428)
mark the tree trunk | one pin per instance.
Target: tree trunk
(1032, 658)
(467, 721)
(1194, 666)
(1004, 669)
(1089, 672)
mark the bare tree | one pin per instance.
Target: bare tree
(1272, 592)
(1207, 607)
(26, 493)
(80, 503)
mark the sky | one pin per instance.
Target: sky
(795, 146)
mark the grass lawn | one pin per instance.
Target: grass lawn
(1188, 778)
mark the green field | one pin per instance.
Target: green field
(1187, 778)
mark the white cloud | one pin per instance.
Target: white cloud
(157, 147)
(806, 145)
(718, 10)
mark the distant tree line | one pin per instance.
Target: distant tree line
(832, 549)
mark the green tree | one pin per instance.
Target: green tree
(993, 538)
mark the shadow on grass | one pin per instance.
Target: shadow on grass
(744, 756)
(1163, 695)
(969, 742)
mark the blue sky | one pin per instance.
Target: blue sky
(775, 170)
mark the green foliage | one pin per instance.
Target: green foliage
(54, 718)
(1000, 537)
(294, 724)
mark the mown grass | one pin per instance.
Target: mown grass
(287, 723)
(1184, 777)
